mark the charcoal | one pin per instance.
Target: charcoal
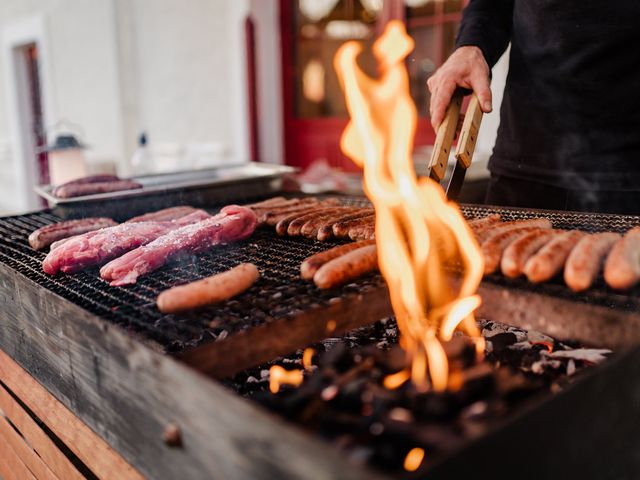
(343, 398)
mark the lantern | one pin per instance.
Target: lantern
(66, 159)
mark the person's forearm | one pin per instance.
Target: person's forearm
(487, 25)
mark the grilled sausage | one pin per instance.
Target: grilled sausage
(550, 259)
(295, 227)
(515, 256)
(80, 189)
(494, 246)
(312, 226)
(285, 205)
(272, 217)
(283, 225)
(325, 232)
(312, 264)
(210, 290)
(622, 267)
(586, 259)
(341, 229)
(347, 267)
(500, 227)
(364, 232)
(45, 236)
(479, 224)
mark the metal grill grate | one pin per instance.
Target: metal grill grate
(279, 293)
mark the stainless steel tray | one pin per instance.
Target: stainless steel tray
(158, 184)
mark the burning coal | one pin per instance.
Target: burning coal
(421, 237)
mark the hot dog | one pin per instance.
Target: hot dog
(311, 265)
(551, 258)
(207, 291)
(622, 267)
(347, 267)
(586, 259)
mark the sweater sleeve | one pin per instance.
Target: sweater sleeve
(487, 24)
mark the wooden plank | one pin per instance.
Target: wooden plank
(90, 448)
(11, 467)
(30, 458)
(127, 393)
(37, 438)
(266, 342)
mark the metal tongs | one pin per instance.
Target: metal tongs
(466, 142)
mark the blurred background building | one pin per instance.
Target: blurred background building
(209, 81)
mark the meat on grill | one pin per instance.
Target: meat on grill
(164, 215)
(516, 255)
(586, 259)
(233, 223)
(494, 246)
(97, 247)
(312, 264)
(45, 236)
(325, 232)
(551, 258)
(101, 178)
(347, 267)
(210, 290)
(80, 189)
(622, 267)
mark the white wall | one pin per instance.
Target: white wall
(173, 68)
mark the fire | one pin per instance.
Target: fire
(278, 376)
(421, 237)
(414, 459)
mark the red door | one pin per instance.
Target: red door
(312, 30)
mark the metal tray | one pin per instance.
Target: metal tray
(195, 187)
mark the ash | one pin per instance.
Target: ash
(343, 399)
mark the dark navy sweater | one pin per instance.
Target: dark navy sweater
(571, 110)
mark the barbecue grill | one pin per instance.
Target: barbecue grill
(121, 382)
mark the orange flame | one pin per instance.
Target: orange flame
(420, 236)
(278, 376)
(414, 459)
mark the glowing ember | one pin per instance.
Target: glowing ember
(414, 459)
(278, 376)
(421, 237)
(307, 357)
(396, 380)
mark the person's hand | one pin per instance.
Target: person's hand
(467, 68)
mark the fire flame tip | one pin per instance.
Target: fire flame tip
(418, 231)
